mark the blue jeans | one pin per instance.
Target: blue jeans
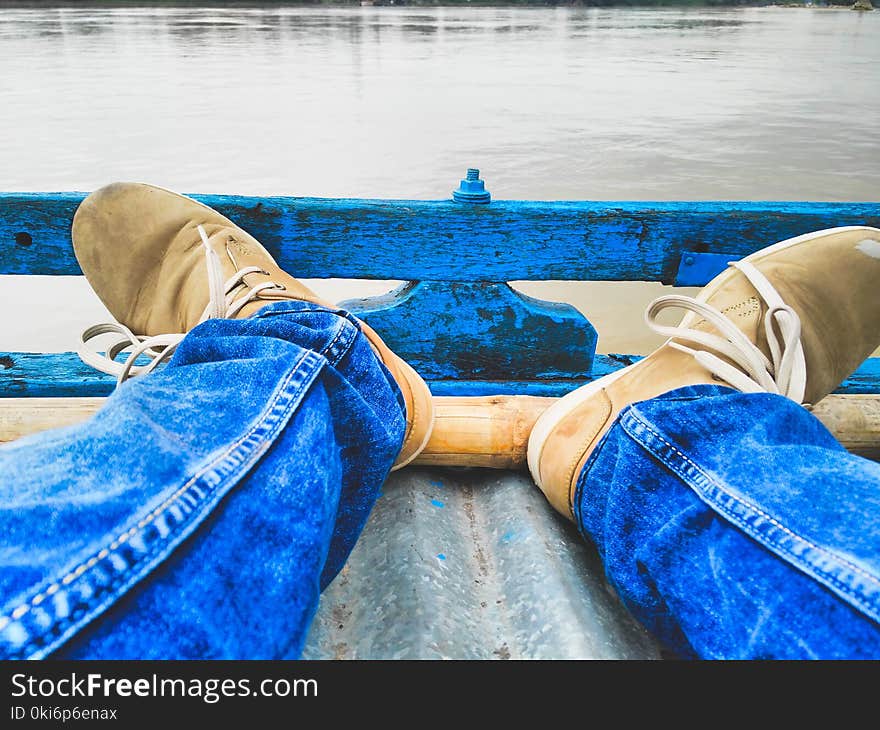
(735, 526)
(200, 513)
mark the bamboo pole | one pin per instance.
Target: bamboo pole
(854, 420)
(490, 431)
(22, 416)
(487, 431)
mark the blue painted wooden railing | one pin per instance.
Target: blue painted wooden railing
(456, 319)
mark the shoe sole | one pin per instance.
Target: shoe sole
(550, 418)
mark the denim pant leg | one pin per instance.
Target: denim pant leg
(735, 526)
(202, 510)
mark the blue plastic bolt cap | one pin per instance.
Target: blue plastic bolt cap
(471, 189)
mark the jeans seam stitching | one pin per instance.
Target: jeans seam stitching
(342, 329)
(160, 545)
(25, 606)
(734, 518)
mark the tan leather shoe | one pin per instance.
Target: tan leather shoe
(162, 263)
(796, 318)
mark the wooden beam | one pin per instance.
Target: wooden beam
(421, 240)
(486, 431)
(63, 375)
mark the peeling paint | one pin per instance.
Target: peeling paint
(423, 240)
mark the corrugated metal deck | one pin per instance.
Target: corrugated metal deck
(472, 564)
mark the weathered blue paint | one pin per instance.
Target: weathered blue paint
(456, 321)
(696, 269)
(864, 381)
(445, 241)
(482, 331)
(26, 374)
(547, 389)
(50, 375)
(472, 189)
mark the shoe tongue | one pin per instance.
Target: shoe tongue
(242, 251)
(747, 314)
(740, 302)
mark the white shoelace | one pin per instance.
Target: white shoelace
(222, 303)
(785, 373)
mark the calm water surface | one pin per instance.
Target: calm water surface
(396, 102)
(386, 102)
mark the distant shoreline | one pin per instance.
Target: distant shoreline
(634, 4)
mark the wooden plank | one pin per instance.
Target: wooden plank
(22, 416)
(446, 241)
(488, 431)
(62, 374)
(50, 375)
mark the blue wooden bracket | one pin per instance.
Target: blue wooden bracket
(698, 269)
(481, 331)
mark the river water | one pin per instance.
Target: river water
(769, 103)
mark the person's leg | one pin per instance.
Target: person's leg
(732, 523)
(734, 526)
(199, 513)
